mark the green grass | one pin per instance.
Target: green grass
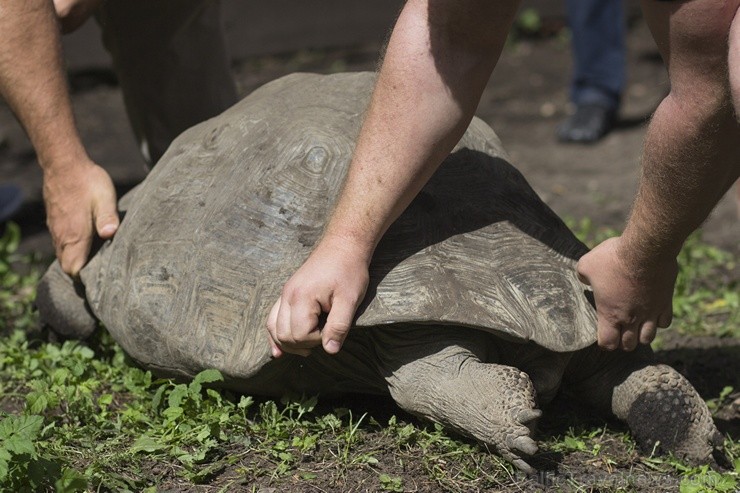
(82, 417)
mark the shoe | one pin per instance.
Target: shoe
(588, 124)
(11, 199)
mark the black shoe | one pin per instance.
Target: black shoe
(11, 199)
(588, 124)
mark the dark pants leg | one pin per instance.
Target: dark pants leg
(597, 28)
(171, 60)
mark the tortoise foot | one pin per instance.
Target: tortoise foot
(62, 306)
(665, 413)
(492, 403)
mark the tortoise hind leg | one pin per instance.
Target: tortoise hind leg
(661, 407)
(62, 305)
(445, 381)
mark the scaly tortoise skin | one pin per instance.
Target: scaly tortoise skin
(474, 316)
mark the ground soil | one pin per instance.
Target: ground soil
(524, 101)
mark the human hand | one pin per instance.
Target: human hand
(78, 197)
(332, 281)
(632, 300)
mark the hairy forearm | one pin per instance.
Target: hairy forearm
(32, 80)
(690, 160)
(438, 61)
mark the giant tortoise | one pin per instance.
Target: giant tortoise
(474, 316)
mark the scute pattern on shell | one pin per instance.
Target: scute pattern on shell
(237, 203)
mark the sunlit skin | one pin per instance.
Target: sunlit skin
(690, 160)
(426, 94)
(79, 195)
(439, 58)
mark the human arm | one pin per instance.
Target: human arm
(689, 161)
(439, 58)
(79, 195)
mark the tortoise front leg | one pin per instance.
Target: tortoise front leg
(438, 373)
(62, 305)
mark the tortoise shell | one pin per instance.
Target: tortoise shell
(237, 203)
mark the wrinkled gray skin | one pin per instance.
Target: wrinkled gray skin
(474, 316)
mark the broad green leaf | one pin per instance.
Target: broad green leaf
(147, 444)
(214, 395)
(19, 432)
(37, 402)
(70, 482)
(245, 402)
(172, 413)
(177, 395)
(60, 376)
(203, 434)
(691, 486)
(209, 376)
(11, 239)
(157, 399)
(206, 376)
(4, 461)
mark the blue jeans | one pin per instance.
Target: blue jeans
(598, 29)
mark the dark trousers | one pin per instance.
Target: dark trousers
(598, 30)
(171, 60)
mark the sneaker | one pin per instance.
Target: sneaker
(11, 199)
(588, 124)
